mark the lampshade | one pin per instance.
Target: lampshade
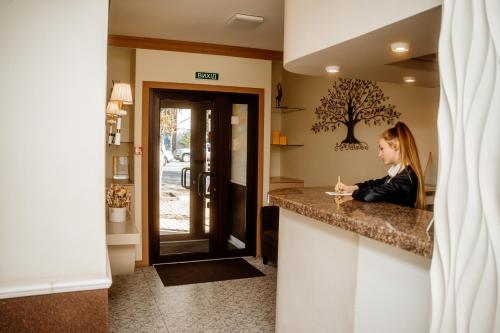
(112, 108)
(121, 93)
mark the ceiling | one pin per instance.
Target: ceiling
(199, 21)
(370, 57)
(365, 57)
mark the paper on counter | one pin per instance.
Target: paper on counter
(338, 193)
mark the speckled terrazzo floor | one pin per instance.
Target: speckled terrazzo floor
(140, 303)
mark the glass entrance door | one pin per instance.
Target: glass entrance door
(202, 175)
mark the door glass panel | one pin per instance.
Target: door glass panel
(182, 217)
(208, 130)
(238, 180)
(175, 131)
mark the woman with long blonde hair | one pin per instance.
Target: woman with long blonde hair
(404, 184)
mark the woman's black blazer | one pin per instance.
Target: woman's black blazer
(399, 190)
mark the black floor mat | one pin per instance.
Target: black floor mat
(206, 271)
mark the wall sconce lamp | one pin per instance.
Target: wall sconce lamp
(120, 95)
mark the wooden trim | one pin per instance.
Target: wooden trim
(146, 86)
(144, 178)
(260, 172)
(193, 47)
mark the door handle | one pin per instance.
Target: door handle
(202, 184)
(184, 182)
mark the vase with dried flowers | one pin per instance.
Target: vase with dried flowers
(117, 199)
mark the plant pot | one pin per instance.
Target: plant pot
(117, 214)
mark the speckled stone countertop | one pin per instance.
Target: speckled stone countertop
(402, 227)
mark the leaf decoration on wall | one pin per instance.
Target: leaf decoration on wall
(349, 102)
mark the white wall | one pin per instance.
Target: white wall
(319, 164)
(179, 67)
(314, 25)
(52, 84)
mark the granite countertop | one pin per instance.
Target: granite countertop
(398, 226)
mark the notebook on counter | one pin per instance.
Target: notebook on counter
(338, 193)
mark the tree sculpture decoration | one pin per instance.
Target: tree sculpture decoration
(349, 102)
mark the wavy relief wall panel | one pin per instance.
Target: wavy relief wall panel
(466, 261)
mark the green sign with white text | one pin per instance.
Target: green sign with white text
(206, 76)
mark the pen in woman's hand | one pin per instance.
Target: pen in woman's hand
(337, 187)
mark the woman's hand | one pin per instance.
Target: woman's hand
(341, 187)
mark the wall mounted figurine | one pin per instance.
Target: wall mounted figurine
(279, 96)
(349, 102)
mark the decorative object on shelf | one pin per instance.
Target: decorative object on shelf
(120, 167)
(275, 138)
(120, 95)
(117, 199)
(279, 96)
(349, 102)
(283, 140)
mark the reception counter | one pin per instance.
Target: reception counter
(350, 266)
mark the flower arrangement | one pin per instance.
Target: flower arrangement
(117, 196)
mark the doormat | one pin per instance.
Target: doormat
(206, 271)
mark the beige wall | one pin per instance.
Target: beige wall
(52, 83)
(319, 164)
(121, 68)
(179, 67)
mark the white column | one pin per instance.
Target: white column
(466, 260)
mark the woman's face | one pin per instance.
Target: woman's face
(386, 153)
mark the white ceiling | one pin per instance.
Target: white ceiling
(365, 57)
(199, 21)
(370, 57)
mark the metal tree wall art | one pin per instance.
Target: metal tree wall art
(349, 102)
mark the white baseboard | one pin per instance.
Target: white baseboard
(59, 286)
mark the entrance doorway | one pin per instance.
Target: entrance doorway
(202, 174)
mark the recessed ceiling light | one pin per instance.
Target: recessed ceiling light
(409, 79)
(245, 18)
(332, 69)
(400, 47)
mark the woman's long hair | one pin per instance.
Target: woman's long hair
(400, 137)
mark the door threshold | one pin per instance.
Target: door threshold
(185, 241)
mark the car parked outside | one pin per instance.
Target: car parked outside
(167, 155)
(184, 154)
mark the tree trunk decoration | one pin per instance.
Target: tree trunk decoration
(349, 102)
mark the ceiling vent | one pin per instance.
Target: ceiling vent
(244, 20)
(427, 63)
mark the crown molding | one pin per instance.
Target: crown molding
(193, 47)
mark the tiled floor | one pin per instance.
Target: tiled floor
(140, 303)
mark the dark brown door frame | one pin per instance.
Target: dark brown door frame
(146, 87)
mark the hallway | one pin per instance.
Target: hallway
(140, 303)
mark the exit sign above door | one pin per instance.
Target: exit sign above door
(206, 76)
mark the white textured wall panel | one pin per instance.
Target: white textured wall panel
(464, 274)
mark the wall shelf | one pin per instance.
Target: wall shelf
(286, 109)
(279, 180)
(276, 183)
(288, 145)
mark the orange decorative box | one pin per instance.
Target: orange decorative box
(276, 137)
